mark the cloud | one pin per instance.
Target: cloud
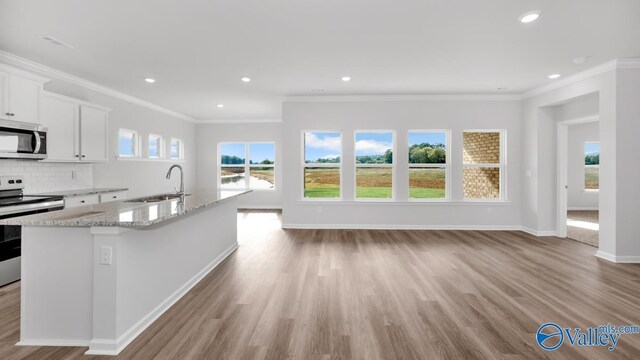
(330, 156)
(327, 143)
(372, 146)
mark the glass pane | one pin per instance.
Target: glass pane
(427, 183)
(592, 166)
(175, 149)
(262, 153)
(374, 148)
(232, 178)
(374, 183)
(322, 147)
(154, 146)
(321, 182)
(481, 148)
(481, 183)
(232, 154)
(261, 178)
(427, 147)
(126, 143)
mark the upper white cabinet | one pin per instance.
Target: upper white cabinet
(77, 130)
(20, 95)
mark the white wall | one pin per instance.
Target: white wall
(400, 116)
(40, 177)
(141, 177)
(577, 197)
(208, 137)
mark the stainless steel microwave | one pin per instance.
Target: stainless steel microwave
(20, 140)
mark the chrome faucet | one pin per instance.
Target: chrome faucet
(181, 192)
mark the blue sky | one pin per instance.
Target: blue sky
(125, 145)
(369, 143)
(257, 151)
(153, 147)
(424, 137)
(232, 150)
(591, 148)
(322, 145)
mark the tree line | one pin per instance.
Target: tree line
(423, 153)
(235, 160)
(592, 159)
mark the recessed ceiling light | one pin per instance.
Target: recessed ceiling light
(346, 78)
(220, 105)
(529, 16)
(150, 80)
(580, 60)
(246, 79)
(554, 76)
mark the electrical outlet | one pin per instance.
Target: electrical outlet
(106, 255)
(74, 175)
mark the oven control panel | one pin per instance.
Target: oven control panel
(12, 182)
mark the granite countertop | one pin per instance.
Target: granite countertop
(125, 213)
(81, 192)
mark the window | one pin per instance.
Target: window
(176, 149)
(127, 143)
(155, 150)
(374, 164)
(239, 159)
(322, 164)
(428, 164)
(592, 166)
(483, 163)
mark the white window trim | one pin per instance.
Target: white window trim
(446, 165)
(180, 149)
(136, 144)
(327, 165)
(502, 165)
(356, 166)
(584, 183)
(247, 166)
(160, 147)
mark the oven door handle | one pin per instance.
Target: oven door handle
(18, 209)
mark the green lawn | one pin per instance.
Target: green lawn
(373, 192)
(322, 192)
(421, 193)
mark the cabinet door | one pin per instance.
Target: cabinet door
(93, 134)
(61, 118)
(4, 96)
(24, 99)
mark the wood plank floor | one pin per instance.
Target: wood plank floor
(338, 294)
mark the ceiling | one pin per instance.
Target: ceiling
(199, 49)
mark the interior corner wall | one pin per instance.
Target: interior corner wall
(400, 116)
(577, 197)
(141, 177)
(208, 137)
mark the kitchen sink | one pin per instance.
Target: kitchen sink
(156, 198)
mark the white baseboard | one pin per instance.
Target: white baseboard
(111, 347)
(535, 232)
(53, 342)
(401, 227)
(618, 259)
(583, 208)
(260, 207)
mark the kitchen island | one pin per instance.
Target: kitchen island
(99, 275)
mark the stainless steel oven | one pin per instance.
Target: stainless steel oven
(14, 203)
(20, 140)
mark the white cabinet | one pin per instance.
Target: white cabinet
(113, 196)
(20, 95)
(77, 130)
(76, 201)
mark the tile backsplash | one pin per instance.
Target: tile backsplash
(43, 177)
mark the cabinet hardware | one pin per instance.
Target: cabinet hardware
(84, 155)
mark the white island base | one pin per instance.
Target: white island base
(71, 296)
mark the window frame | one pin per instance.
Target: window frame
(446, 165)
(584, 168)
(180, 149)
(136, 144)
(247, 165)
(160, 146)
(502, 165)
(325, 165)
(356, 166)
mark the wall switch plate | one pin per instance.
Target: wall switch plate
(106, 255)
(74, 175)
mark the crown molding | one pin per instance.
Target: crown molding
(427, 97)
(630, 63)
(25, 64)
(239, 121)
